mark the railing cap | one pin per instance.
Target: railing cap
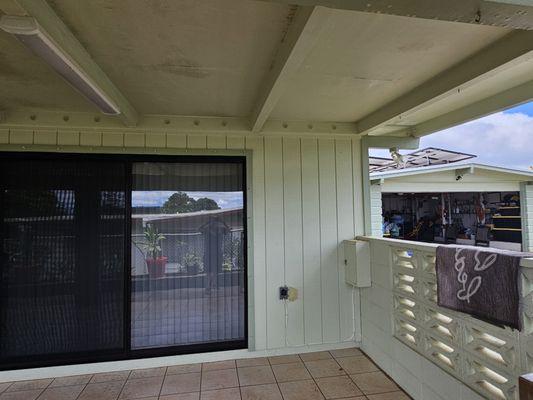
(526, 262)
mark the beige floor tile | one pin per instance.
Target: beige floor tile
(222, 379)
(221, 394)
(62, 393)
(261, 392)
(184, 369)
(290, 372)
(4, 386)
(252, 362)
(29, 385)
(351, 352)
(142, 387)
(338, 387)
(300, 390)
(218, 365)
(110, 376)
(181, 396)
(102, 391)
(255, 375)
(21, 395)
(291, 358)
(71, 380)
(323, 368)
(357, 365)
(317, 355)
(389, 396)
(181, 383)
(147, 373)
(374, 382)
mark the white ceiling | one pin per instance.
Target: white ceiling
(365, 60)
(211, 58)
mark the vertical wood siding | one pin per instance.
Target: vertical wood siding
(304, 200)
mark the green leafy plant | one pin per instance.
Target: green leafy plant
(152, 243)
(191, 262)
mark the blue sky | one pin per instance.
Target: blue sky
(504, 139)
(156, 198)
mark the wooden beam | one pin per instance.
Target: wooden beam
(301, 37)
(376, 142)
(507, 51)
(59, 33)
(498, 102)
(39, 119)
(479, 12)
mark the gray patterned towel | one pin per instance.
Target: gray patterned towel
(481, 282)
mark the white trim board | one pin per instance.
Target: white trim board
(153, 362)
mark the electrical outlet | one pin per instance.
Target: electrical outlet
(283, 293)
(293, 294)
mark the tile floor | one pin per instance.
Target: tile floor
(340, 374)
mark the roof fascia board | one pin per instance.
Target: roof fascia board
(470, 168)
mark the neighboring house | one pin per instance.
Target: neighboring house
(464, 203)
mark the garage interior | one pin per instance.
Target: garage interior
(482, 219)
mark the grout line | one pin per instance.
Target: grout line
(312, 377)
(84, 387)
(124, 384)
(162, 383)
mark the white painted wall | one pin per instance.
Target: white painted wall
(422, 379)
(304, 200)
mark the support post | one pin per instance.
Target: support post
(378, 142)
(525, 384)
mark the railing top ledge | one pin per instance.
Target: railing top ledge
(399, 243)
(526, 262)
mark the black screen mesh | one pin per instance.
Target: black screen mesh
(62, 261)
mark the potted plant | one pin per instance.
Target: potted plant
(192, 263)
(156, 263)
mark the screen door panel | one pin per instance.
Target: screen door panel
(62, 262)
(188, 267)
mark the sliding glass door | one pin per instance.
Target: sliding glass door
(106, 258)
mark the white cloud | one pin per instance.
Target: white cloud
(503, 139)
(156, 198)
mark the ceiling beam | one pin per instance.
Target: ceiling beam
(500, 101)
(59, 33)
(80, 121)
(301, 37)
(509, 14)
(509, 50)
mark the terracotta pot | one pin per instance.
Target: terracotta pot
(156, 268)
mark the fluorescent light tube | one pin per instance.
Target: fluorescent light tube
(29, 32)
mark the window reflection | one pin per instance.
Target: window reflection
(187, 254)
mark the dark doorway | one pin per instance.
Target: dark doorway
(111, 257)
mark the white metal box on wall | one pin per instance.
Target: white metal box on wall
(357, 263)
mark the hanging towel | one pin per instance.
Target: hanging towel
(481, 282)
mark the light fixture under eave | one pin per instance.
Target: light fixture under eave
(29, 32)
